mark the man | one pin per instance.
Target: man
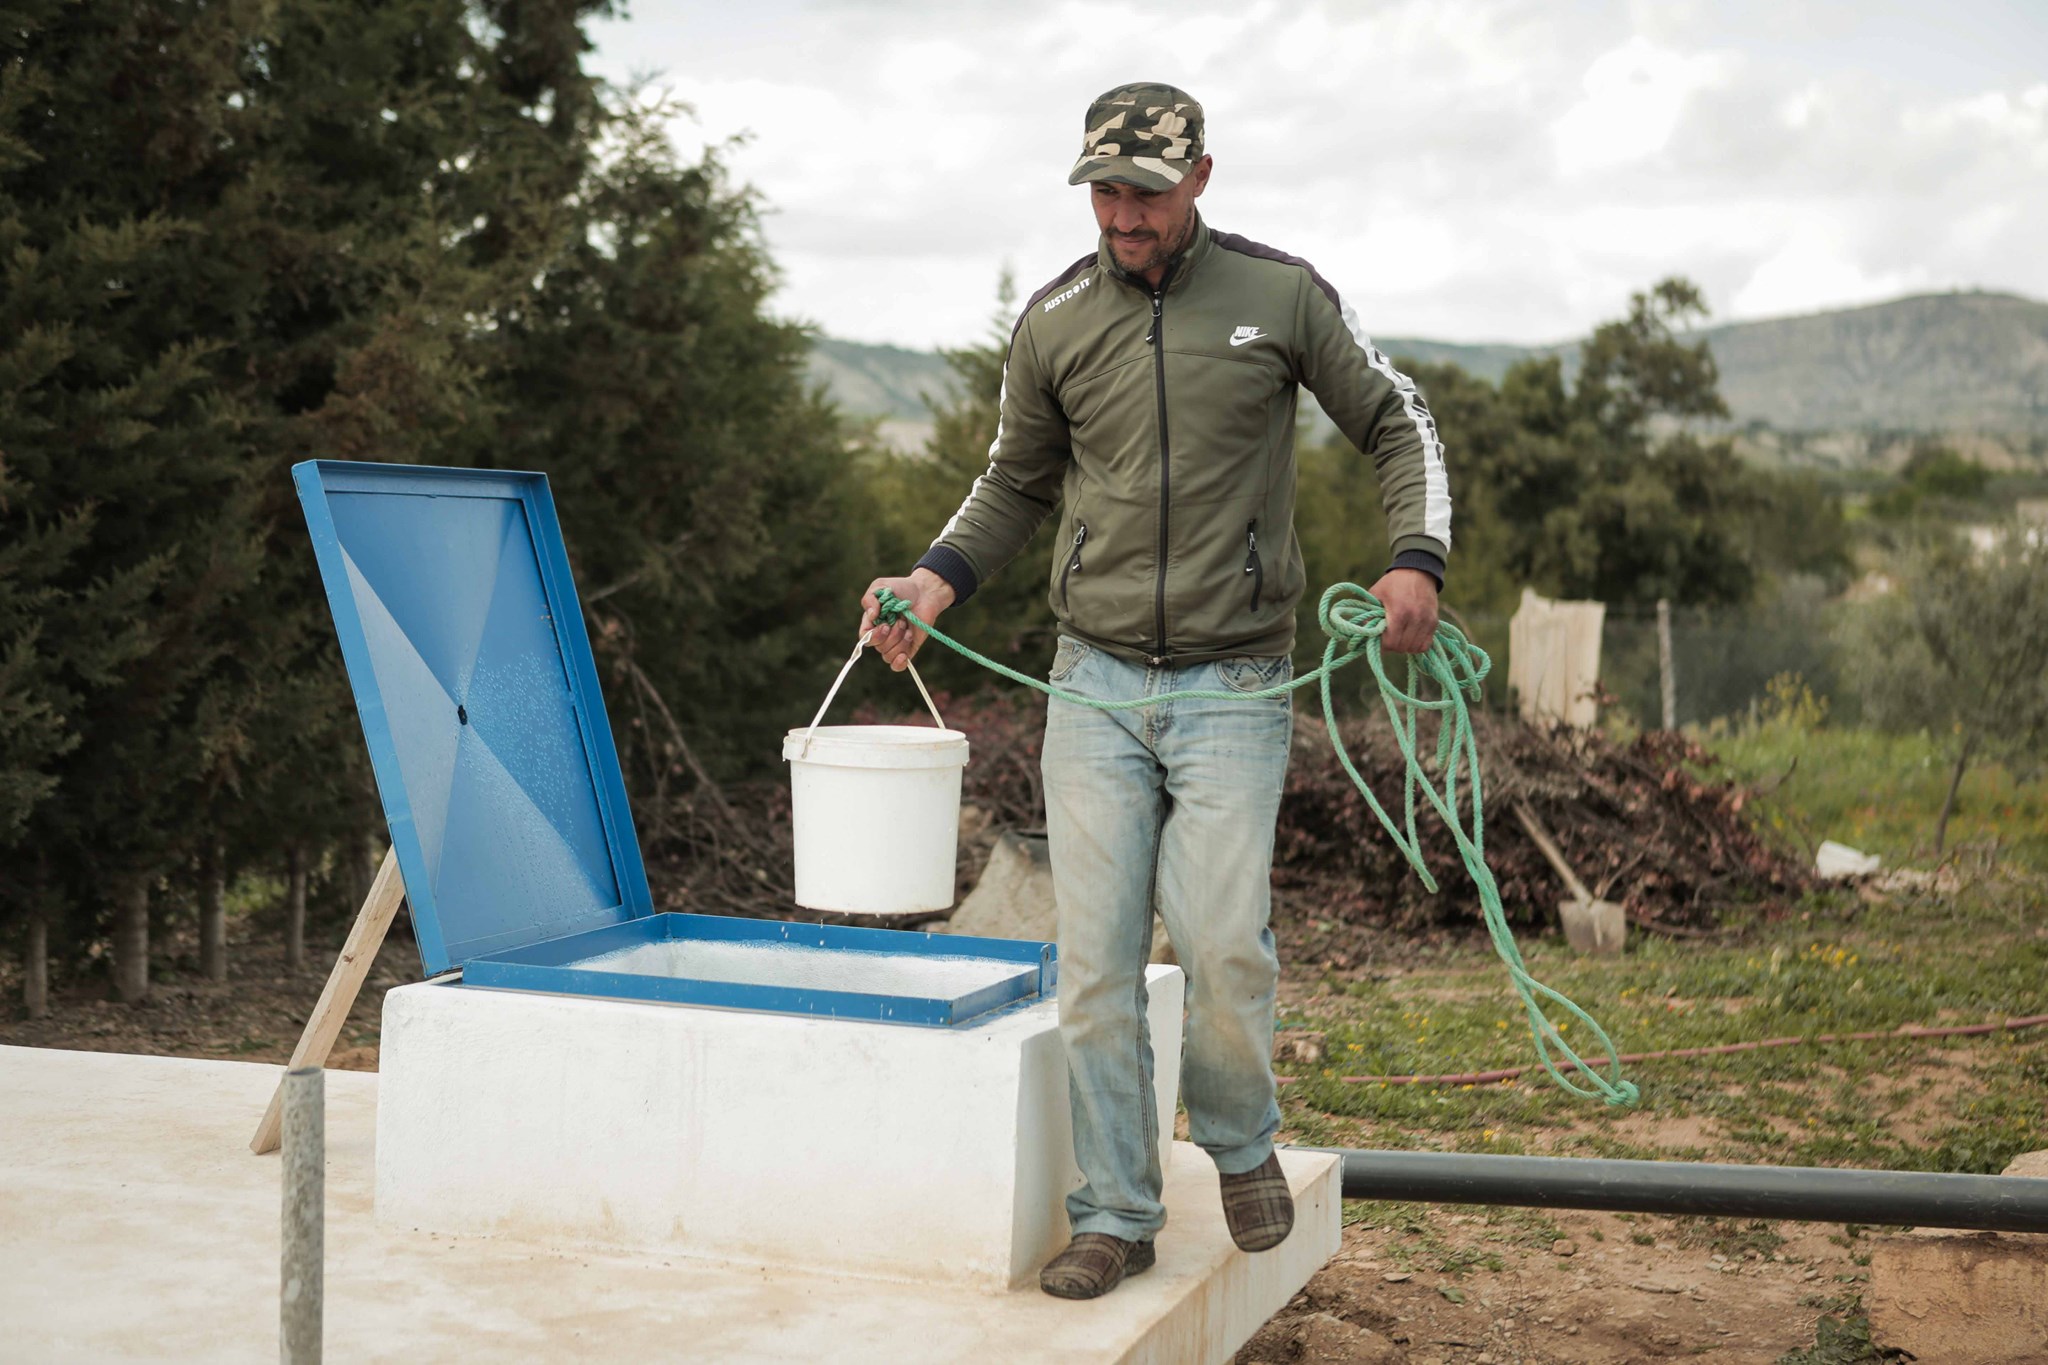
(1149, 399)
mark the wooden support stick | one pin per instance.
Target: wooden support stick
(387, 893)
(1543, 841)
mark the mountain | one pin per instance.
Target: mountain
(1839, 387)
(880, 381)
(1936, 363)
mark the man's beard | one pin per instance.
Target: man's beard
(1157, 250)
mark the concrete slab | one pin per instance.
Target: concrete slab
(1963, 1298)
(794, 1141)
(135, 1225)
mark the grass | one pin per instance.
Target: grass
(1880, 793)
(1843, 1340)
(1837, 966)
(1837, 962)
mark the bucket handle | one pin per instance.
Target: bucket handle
(846, 668)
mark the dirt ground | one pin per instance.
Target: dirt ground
(256, 1015)
(1450, 1286)
(1593, 1296)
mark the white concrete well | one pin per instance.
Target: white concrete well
(923, 1154)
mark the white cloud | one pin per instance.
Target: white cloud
(1813, 271)
(1468, 169)
(1633, 97)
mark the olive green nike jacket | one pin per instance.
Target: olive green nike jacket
(1159, 424)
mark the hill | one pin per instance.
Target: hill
(1854, 379)
(880, 381)
(1972, 362)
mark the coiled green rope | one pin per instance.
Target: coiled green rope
(1353, 621)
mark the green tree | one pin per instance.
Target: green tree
(1960, 651)
(1652, 512)
(405, 171)
(235, 235)
(1637, 368)
(1934, 479)
(1601, 487)
(712, 502)
(118, 431)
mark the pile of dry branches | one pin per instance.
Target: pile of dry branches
(1640, 823)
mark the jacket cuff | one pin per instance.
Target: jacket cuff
(949, 564)
(1433, 565)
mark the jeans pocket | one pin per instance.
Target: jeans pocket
(1070, 655)
(1250, 673)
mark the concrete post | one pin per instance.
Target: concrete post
(1667, 669)
(305, 1216)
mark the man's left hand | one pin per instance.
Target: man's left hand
(1409, 595)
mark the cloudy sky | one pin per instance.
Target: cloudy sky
(1462, 169)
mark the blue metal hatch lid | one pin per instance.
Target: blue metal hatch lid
(478, 695)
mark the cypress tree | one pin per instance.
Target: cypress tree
(238, 234)
(119, 433)
(712, 503)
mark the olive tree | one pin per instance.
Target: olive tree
(1960, 649)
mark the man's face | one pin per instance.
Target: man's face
(1145, 228)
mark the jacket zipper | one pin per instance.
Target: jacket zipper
(1252, 565)
(1073, 560)
(1158, 340)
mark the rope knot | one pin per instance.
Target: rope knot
(1350, 614)
(889, 607)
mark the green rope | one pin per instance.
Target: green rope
(1353, 620)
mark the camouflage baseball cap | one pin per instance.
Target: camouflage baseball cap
(1148, 135)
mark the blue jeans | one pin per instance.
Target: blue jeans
(1171, 805)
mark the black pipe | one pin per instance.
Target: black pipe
(1814, 1194)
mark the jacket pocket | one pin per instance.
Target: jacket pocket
(1073, 560)
(1253, 569)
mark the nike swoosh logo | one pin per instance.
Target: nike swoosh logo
(1239, 341)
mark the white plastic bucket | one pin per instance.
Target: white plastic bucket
(876, 811)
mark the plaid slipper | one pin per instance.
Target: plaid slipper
(1093, 1264)
(1258, 1206)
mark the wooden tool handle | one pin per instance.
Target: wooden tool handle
(1550, 851)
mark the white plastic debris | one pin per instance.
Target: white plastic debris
(1840, 860)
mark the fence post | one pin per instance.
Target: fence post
(305, 1216)
(1667, 669)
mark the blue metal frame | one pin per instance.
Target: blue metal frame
(318, 481)
(399, 583)
(554, 966)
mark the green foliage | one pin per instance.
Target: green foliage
(712, 503)
(1841, 1341)
(1961, 648)
(1636, 368)
(127, 511)
(1597, 488)
(238, 235)
(1934, 479)
(1872, 790)
(1872, 1104)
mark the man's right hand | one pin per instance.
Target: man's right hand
(925, 593)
